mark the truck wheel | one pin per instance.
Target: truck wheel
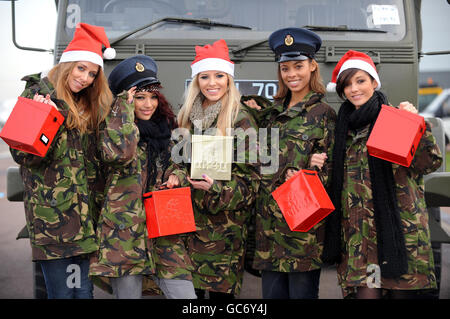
(39, 289)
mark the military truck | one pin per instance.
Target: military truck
(168, 30)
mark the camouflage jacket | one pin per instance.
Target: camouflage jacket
(304, 129)
(221, 216)
(124, 246)
(359, 244)
(59, 198)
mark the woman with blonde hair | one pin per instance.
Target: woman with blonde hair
(226, 115)
(212, 107)
(63, 189)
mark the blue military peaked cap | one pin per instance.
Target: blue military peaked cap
(139, 70)
(294, 44)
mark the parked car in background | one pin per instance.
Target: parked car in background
(427, 93)
(440, 107)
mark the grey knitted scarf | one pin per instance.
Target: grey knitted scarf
(205, 117)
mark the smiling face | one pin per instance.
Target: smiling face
(145, 104)
(82, 75)
(213, 85)
(296, 75)
(359, 88)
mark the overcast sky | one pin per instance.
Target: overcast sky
(35, 27)
(435, 26)
(36, 21)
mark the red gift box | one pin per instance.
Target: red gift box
(396, 135)
(303, 200)
(169, 212)
(31, 126)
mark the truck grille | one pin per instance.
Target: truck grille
(259, 53)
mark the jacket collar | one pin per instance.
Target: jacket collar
(304, 105)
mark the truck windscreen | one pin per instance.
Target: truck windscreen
(120, 17)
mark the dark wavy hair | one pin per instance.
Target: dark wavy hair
(164, 110)
(344, 80)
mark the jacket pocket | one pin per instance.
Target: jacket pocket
(56, 218)
(123, 239)
(300, 145)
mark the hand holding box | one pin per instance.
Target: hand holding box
(31, 126)
(396, 135)
(303, 200)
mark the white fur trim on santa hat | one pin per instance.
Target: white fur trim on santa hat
(212, 64)
(109, 53)
(362, 65)
(71, 56)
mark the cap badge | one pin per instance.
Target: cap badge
(288, 40)
(139, 67)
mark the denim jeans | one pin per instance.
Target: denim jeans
(67, 278)
(290, 285)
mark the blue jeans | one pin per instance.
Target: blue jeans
(67, 278)
(290, 285)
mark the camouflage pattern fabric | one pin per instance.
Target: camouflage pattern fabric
(124, 246)
(170, 252)
(59, 203)
(221, 215)
(304, 129)
(358, 224)
(172, 258)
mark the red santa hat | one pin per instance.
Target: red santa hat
(212, 57)
(86, 45)
(357, 60)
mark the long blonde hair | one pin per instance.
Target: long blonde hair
(95, 100)
(316, 83)
(231, 102)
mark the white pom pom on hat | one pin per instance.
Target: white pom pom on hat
(353, 59)
(109, 53)
(86, 45)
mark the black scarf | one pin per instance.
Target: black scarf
(392, 257)
(156, 134)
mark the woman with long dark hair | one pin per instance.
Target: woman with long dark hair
(289, 261)
(136, 153)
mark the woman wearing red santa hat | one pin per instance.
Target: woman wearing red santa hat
(212, 107)
(63, 189)
(379, 233)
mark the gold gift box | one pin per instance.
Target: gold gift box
(213, 156)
